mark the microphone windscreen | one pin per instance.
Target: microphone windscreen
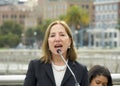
(58, 51)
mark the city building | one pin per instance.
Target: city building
(54, 8)
(100, 38)
(7, 2)
(38, 10)
(107, 14)
(85, 4)
(20, 13)
(104, 15)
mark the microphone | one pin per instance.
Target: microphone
(76, 82)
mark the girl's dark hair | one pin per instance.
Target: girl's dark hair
(98, 70)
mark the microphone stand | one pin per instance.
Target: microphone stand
(76, 82)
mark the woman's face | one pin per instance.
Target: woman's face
(58, 39)
(99, 80)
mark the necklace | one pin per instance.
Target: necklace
(59, 68)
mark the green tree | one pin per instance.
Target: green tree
(11, 26)
(10, 33)
(42, 28)
(62, 17)
(77, 16)
(39, 30)
(29, 35)
(9, 40)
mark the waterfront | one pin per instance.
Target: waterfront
(16, 61)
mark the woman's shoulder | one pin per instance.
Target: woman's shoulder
(35, 62)
(79, 65)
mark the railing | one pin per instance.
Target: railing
(11, 80)
(15, 80)
(16, 61)
(116, 79)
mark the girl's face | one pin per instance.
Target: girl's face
(99, 80)
(58, 39)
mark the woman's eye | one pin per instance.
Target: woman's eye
(62, 34)
(51, 35)
(97, 82)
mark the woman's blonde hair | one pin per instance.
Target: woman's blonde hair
(71, 54)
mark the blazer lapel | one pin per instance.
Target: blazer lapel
(48, 70)
(67, 73)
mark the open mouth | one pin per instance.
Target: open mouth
(58, 46)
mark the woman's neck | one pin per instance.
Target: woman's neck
(57, 60)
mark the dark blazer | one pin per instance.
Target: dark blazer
(41, 74)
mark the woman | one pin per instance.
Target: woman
(51, 70)
(99, 76)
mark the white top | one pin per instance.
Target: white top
(58, 72)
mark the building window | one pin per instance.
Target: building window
(106, 35)
(105, 7)
(97, 8)
(100, 8)
(22, 16)
(97, 44)
(87, 7)
(106, 43)
(115, 44)
(5, 16)
(110, 34)
(115, 35)
(115, 7)
(13, 16)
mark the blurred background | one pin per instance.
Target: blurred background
(95, 26)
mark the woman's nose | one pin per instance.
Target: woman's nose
(57, 38)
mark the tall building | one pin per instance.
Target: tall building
(85, 4)
(44, 9)
(41, 9)
(107, 14)
(18, 13)
(51, 8)
(6, 2)
(55, 8)
(31, 3)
